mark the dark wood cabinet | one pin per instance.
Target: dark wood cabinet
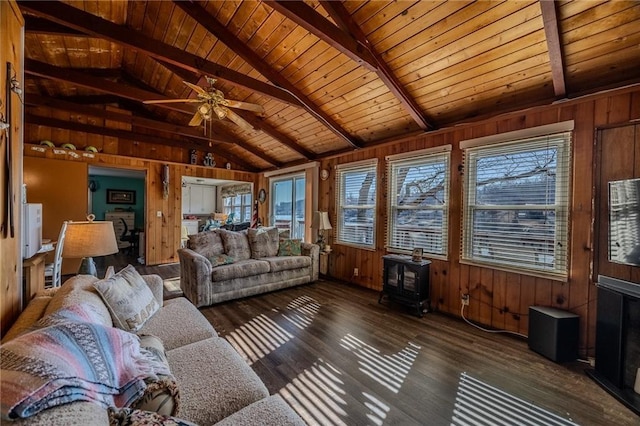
(407, 282)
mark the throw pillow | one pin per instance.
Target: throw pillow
(221, 259)
(236, 244)
(128, 298)
(206, 243)
(263, 242)
(289, 248)
(162, 395)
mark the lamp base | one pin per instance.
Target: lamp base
(88, 267)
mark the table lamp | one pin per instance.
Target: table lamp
(84, 240)
(322, 223)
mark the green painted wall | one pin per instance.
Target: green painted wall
(99, 197)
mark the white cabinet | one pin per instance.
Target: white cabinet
(191, 226)
(119, 226)
(198, 199)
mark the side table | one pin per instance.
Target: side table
(324, 262)
(33, 275)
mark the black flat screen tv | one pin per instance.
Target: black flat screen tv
(624, 221)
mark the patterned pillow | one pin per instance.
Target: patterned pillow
(236, 244)
(161, 396)
(289, 248)
(221, 259)
(263, 242)
(206, 243)
(128, 417)
(128, 298)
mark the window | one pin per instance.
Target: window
(419, 201)
(516, 204)
(356, 203)
(237, 202)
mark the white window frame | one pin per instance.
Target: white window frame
(244, 208)
(548, 258)
(403, 239)
(346, 235)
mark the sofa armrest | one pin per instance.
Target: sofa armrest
(312, 250)
(195, 276)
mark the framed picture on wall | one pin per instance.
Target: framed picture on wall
(121, 196)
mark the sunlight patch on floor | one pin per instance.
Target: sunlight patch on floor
(388, 370)
(316, 395)
(478, 403)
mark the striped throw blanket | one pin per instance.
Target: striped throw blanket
(71, 358)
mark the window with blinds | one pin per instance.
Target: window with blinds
(516, 204)
(418, 201)
(356, 203)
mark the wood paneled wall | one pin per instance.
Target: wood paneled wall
(11, 50)
(163, 216)
(498, 299)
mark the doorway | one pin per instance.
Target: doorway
(288, 205)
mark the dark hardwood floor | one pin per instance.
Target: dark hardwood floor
(339, 357)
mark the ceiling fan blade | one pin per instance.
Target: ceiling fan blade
(243, 105)
(170, 101)
(198, 89)
(239, 120)
(196, 119)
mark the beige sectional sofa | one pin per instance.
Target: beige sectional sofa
(215, 385)
(221, 265)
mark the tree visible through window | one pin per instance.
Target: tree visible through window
(356, 203)
(418, 202)
(516, 202)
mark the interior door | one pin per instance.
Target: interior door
(288, 205)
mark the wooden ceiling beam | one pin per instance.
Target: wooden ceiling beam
(306, 17)
(127, 135)
(88, 23)
(276, 134)
(552, 33)
(33, 24)
(341, 16)
(211, 24)
(69, 75)
(121, 117)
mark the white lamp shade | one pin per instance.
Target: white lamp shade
(321, 221)
(89, 239)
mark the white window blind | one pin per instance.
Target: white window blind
(418, 202)
(356, 203)
(516, 204)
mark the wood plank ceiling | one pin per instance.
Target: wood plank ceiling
(331, 76)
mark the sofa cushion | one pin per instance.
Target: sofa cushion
(236, 244)
(178, 323)
(213, 365)
(289, 248)
(286, 263)
(263, 242)
(206, 243)
(27, 319)
(272, 411)
(79, 289)
(245, 268)
(78, 413)
(129, 299)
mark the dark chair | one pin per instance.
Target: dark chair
(129, 236)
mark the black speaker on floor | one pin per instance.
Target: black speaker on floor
(553, 333)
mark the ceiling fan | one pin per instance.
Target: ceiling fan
(212, 101)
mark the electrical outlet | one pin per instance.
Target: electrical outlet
(465, 300)
(355, 272)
